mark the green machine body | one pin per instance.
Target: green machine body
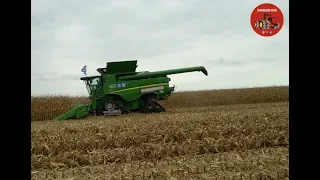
(119, 89)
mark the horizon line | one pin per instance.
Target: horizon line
(247, 87)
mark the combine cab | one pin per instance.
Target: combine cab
(120, 89)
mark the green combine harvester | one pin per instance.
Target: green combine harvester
(120, 90)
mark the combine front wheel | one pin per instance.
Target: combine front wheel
(110, 106)
(113, 109)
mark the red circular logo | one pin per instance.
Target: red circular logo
(266, 19)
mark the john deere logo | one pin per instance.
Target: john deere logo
(266, 19)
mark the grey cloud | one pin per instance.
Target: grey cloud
(221, 61)
(230, 62)
(56, 77)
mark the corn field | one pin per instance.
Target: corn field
(221, 135)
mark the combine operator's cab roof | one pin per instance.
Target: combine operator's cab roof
(88, 78)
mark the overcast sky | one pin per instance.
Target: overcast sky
(160, 34)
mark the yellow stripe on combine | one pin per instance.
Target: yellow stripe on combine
(139, 87)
